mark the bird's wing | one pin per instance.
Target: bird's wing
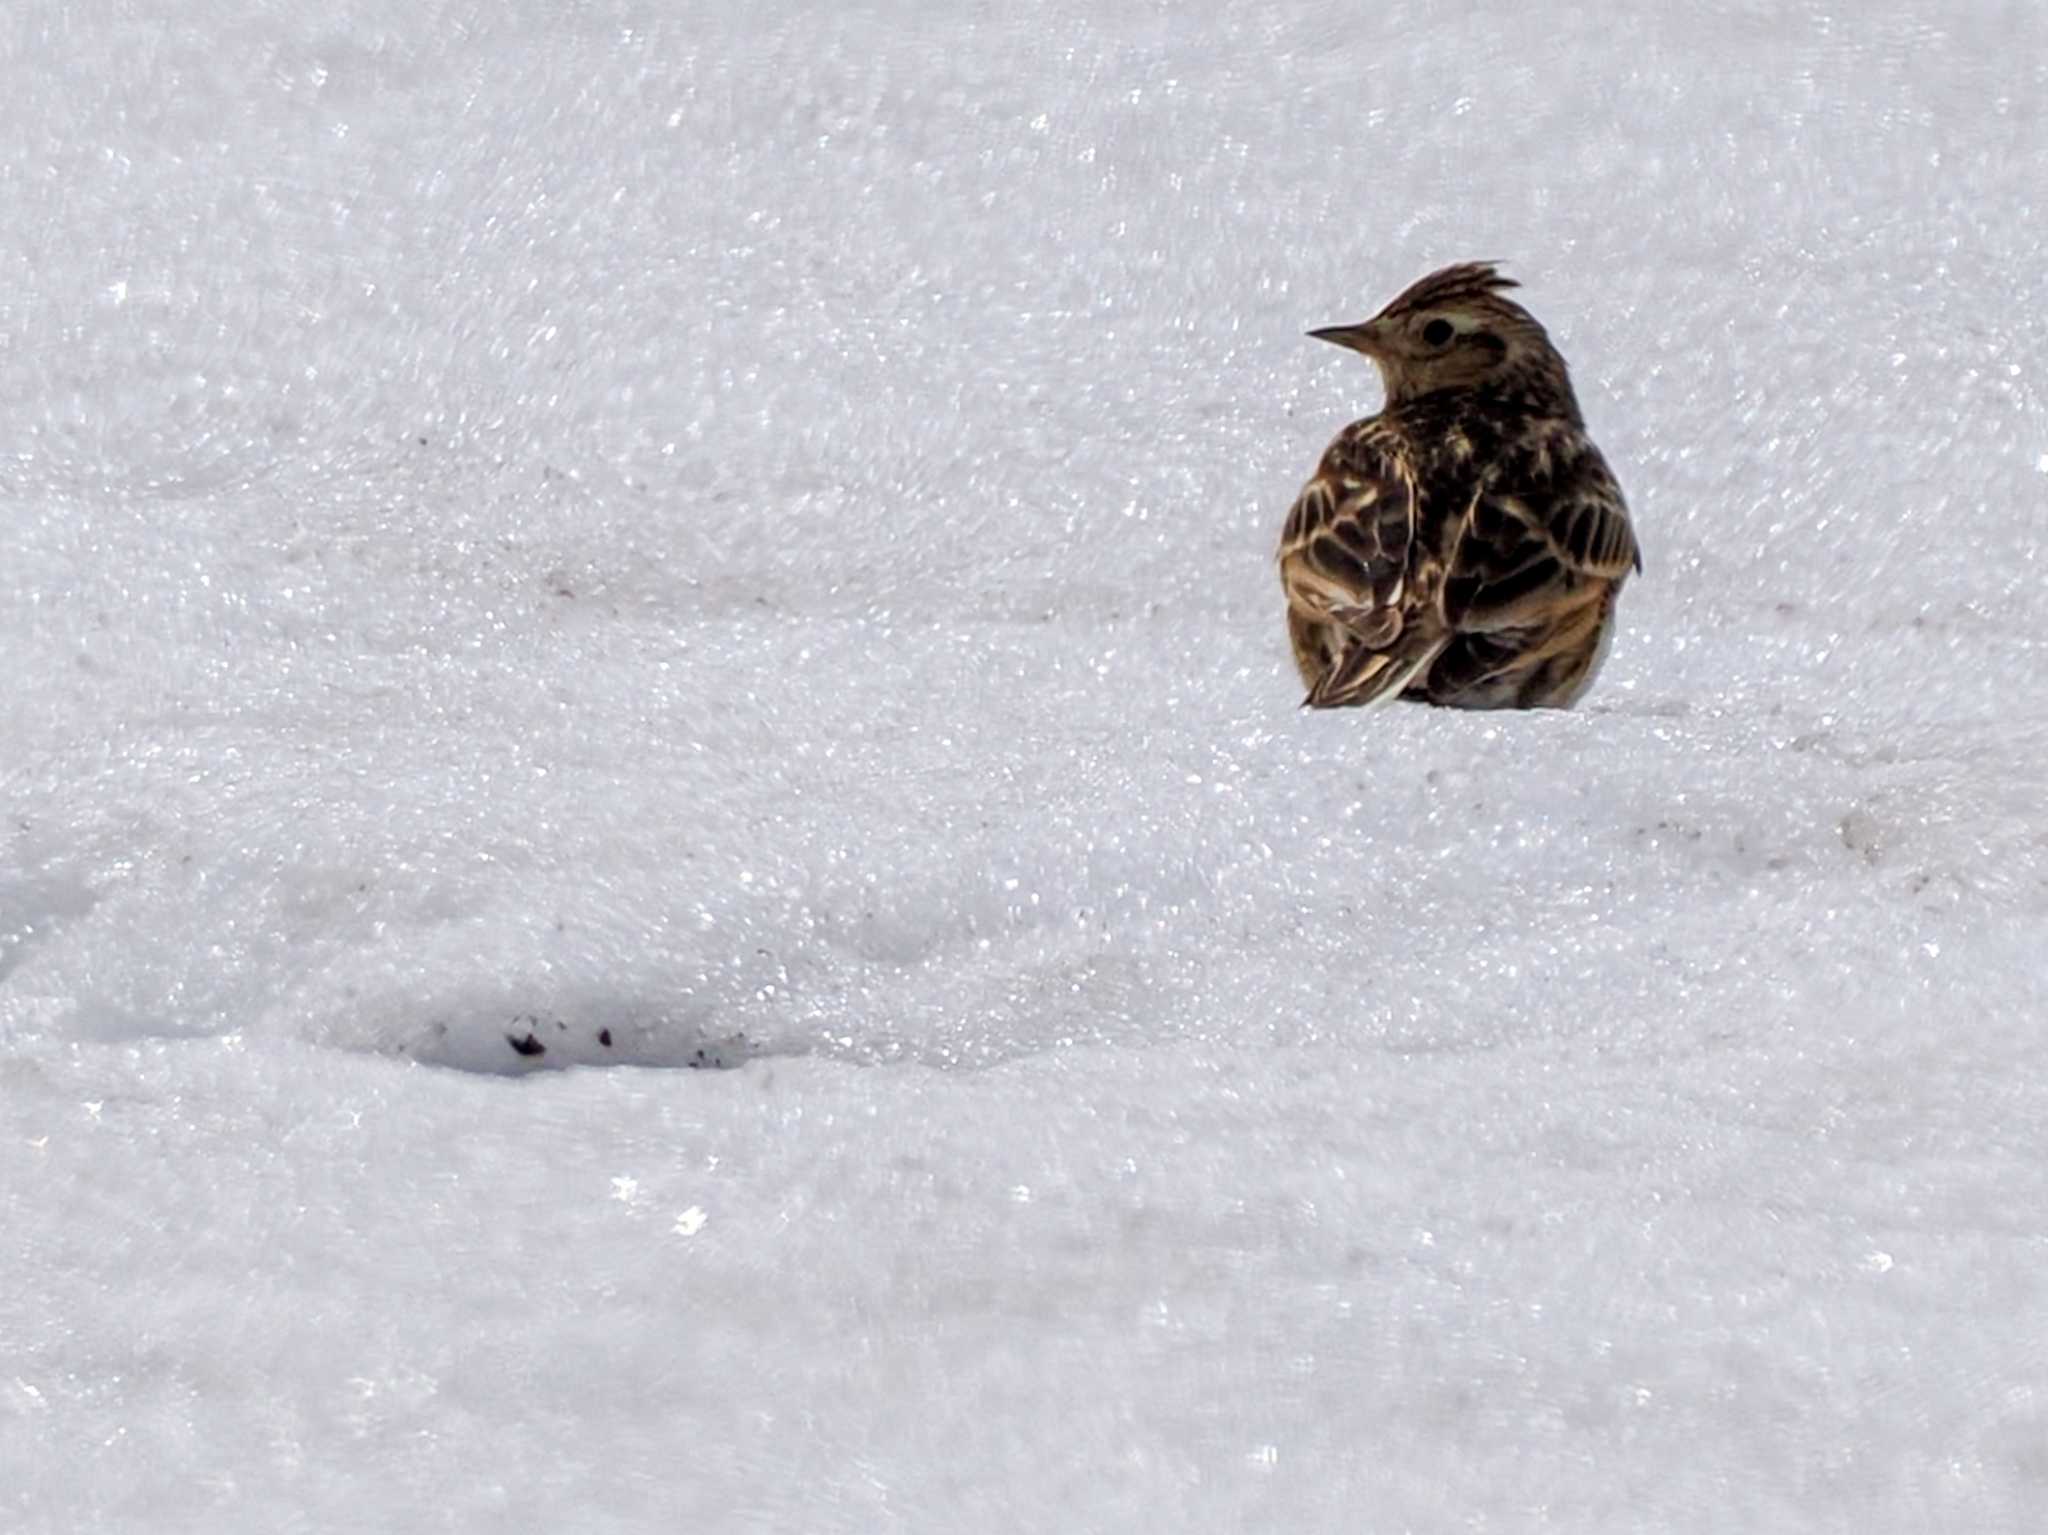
(1344, 560)
(1547, 519)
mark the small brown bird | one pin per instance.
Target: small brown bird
(1464, 546)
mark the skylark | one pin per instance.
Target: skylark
(1466, 545)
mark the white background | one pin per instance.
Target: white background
(747, 531)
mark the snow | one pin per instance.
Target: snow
(741, 541)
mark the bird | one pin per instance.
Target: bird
(1466, 545)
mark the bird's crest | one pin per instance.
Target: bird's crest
(1463, 282)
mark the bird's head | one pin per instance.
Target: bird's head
(1454, 330)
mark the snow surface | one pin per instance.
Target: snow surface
(744, 532)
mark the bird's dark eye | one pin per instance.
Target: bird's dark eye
(1438, 332)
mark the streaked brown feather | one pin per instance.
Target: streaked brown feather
(1346, 565)
(1464, 546)
(1452, 284)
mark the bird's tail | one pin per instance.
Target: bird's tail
(1364, 675)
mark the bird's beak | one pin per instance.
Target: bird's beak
(1361, 337)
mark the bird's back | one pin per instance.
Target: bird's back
(1541, 553)
(1487, 548)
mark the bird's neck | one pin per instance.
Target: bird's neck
(1518, 392)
